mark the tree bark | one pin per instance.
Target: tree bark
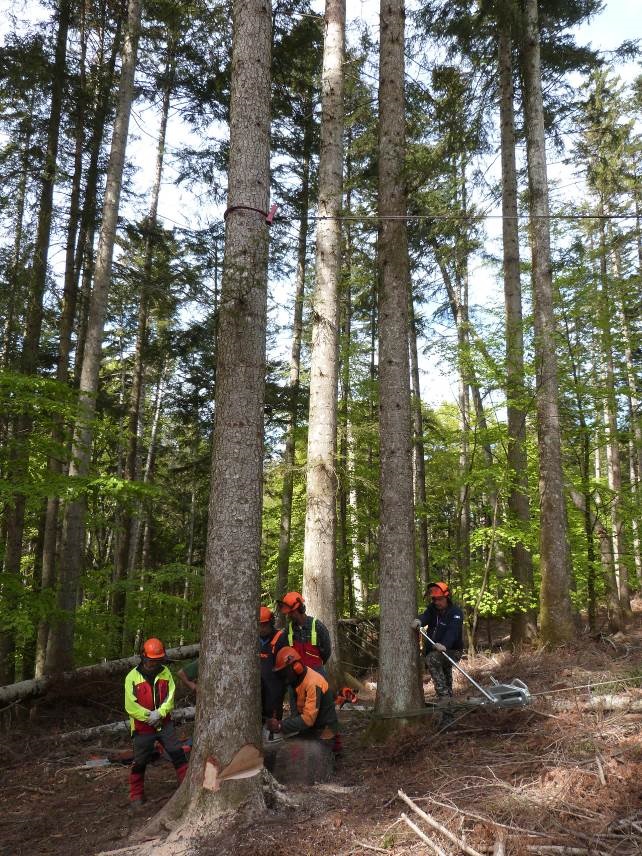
(229, 666)
(522, 624)
(319, 565)
(60, 646)
(398, 689)
(556, 621)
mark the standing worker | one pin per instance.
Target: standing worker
(271, 641)
(307, 635)
(444, 622)
(315, 715)
(149, 700)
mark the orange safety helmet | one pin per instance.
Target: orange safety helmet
(265, 615)
(287, 656)
(441, 588)
(291, 601)
(153, 649)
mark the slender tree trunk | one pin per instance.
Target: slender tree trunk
(614, 606)
(19, 454)
(121, 636)
(398, 688)
(635, 427)
(60, 646)
(319, 566)
(613, 467)
(421, 520)
(522, 623)
(289, 455)
(232, 566)
(556, 621)
(70, 293)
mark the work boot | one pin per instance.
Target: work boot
(181, 772)
(137, 806)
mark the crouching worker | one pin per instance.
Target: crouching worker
(149, 700)
(315, 715)
(443, 621)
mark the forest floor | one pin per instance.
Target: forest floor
(556, 778)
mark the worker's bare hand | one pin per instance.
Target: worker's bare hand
(439, 647)
(273, 725)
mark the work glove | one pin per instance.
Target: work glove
(273, 725)
(416, 623)
(154, 717)
(439, 647)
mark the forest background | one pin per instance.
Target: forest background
(143, 491)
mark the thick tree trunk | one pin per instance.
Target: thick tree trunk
(398, 688)
(289, 454)
(556, 620)
(60, 646)
(522, 624)
(228, 664)
(319, 566)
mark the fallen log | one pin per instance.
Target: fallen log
(626, 703)
(180, 714)
(38, 686)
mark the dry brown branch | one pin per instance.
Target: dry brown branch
(431, 844)
(436, 825)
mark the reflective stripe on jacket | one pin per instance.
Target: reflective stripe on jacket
(311, 640)
(140, 698)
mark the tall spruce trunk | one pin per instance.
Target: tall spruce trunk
(398, 689)
(18, 465)
(556, 620)
(522, 623)
(229, 666)
(60, 653)
(289, 454)
(319, 564)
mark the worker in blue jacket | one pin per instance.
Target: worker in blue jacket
(444, 622)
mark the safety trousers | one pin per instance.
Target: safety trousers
(143, 752)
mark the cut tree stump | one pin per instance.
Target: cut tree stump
(295, 761)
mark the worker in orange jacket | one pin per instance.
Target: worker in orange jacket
(315, 714)
(149, 700)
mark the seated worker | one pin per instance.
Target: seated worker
(315, 715)
(444, 622)
(307, 635)
(271, 641)
(149, 700)
(189, 676)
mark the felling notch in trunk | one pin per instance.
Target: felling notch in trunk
(247, 762)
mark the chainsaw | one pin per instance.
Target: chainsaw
(514, 694)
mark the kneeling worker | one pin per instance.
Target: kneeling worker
(315, 712)
(149, 700)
